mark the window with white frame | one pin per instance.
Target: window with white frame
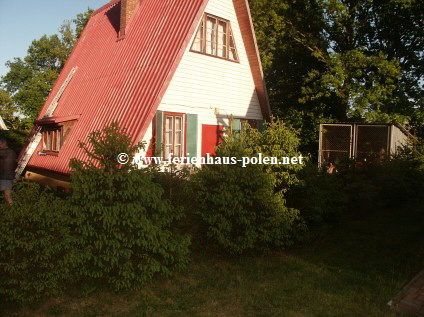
(214, 37)
(174, 138)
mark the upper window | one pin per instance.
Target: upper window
(54, 135)
(215, 37)
(52, 138)
(173, 135)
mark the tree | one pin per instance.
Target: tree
(7, 109)
(30, 80)
(81, 21)
(339, 60)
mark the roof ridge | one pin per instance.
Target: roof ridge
(106, 6)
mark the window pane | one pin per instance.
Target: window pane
(233, 51)
(178, 138)
(222, 39)
(178, 123)
(168, 150)
(210, 35)
(49, 140)
(197, 44)
(54, 140)
(177, 151)
(44, 140)
(59, 139)
(168, 124)
(168, 137)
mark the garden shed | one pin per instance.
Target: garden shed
(363, 142)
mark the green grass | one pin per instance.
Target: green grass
(354, 271)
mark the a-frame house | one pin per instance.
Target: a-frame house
(172, 71)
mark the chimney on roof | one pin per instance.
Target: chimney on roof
(127, 10)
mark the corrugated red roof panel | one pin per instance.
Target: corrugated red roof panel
(120, 80)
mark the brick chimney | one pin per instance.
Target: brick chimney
(127, 10)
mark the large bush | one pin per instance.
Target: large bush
(321, 199)
(37, 250)
(400, 181)
(277, 140)
(123, 221)
(240, 206)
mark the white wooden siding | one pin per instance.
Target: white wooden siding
(203, 84)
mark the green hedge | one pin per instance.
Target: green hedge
(38, 255)
(243, 208)
(121, 216)
(124, 228)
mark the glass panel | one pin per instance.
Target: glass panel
(168, 137)
(168, 124)
(59, 139)
(210, 35)
(197, 44)
(222, 39)
(54, 140)
(168, 150)
(178, 123)
(233, 51)
(177, 151)
(44, 140)
(49, 139)
(178, 138)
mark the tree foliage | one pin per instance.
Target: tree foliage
(37, 255)
(338, 60)
(243, 208)
(7, 109)
(121, 217)
(30, 80)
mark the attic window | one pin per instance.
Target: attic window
(214, 37)
(52, 138)
(54, 134)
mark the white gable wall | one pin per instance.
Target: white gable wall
(203, 84)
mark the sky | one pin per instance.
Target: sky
(22, 21)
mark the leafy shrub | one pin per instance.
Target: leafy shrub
(277, 140)
(361, 189)
(123, 221)
(175, 182)
(321, 199)
(36, 246)
(400, 182)
(239, 205)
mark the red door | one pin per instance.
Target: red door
(211, 136)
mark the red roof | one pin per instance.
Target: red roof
(120, 80)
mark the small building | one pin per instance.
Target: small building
(362, 142)
(172, 73)
(2, 124)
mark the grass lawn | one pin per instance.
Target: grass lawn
(354, 271)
